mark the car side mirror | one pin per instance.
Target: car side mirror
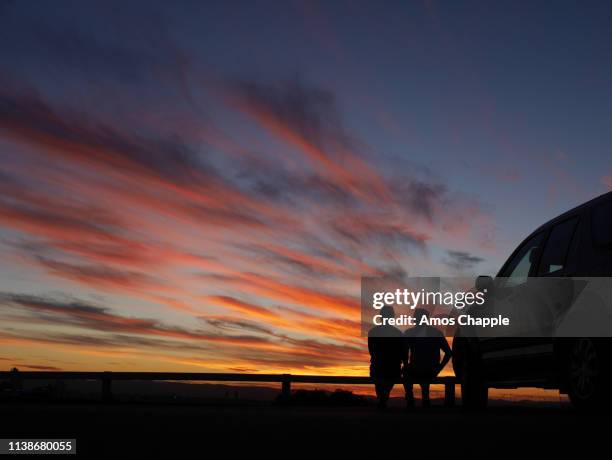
(483, 282)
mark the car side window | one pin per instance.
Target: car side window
(555, 251)
(519, 267)
(601, 224)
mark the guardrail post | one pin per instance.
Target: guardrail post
(286, 387)
(16, 381)
(107, 394)
(449, 394)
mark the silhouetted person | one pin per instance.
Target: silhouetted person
(423, 344)
(385, 344)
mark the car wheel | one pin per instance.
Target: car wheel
(585, 375)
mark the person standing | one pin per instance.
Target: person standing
(386, 347)
(423, 344)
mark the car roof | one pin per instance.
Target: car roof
(572, 211)
(559, 218)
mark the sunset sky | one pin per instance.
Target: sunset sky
(198, 186)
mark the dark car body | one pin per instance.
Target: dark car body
(578, 243)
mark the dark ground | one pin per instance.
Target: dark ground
(186, 431)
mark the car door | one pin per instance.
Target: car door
(529, 356)
(500, 355)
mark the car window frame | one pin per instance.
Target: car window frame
(592, 208)
(549, 231)
(544, 234)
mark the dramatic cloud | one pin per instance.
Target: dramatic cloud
(35, 367)
(26, 117)
(307, 119)
(225, 221)
(161, 222)
(118, 331)
(461, 261)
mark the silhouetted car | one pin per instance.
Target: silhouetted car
(577, 243)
